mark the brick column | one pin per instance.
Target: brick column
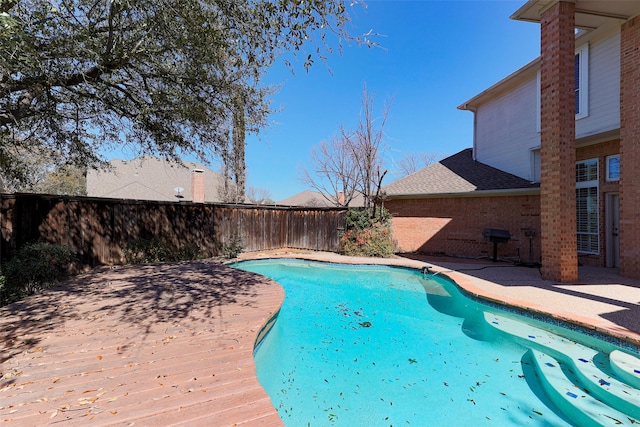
(197, 186)
(558, 144)
(630, 148)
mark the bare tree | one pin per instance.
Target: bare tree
(259, 195)
(413, 162)
(351, 164)
(368, 146)
(335, 170)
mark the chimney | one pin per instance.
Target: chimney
(197, 185)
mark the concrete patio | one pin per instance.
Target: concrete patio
(172, 344)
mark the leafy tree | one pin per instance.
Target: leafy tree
(66, 180)
(39, 174)
(166, 77)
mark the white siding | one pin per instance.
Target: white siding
(506, 130)
(604, 87)
(506, 126)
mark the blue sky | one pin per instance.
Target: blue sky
(435, 56)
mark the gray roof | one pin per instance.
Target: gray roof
(151, 178)
(457, 174)
(310, 198)
(306, 198)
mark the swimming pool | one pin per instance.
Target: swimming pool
(390, 346)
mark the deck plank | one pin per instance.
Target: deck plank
(168, 344)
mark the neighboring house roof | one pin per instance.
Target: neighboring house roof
(457, 174)
(306, 198)
(310, 198)
(151, 178)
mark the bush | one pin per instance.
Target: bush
(357, 219)
(366, 236)
(360, 219)
(233, 248)
(376, 241)
(35, 267)
(146, 251)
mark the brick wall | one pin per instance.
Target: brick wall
(557, 146)
(630, 148)
(453, 226)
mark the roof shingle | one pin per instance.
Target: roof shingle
(456, 174)
(151, 178)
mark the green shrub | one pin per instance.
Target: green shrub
(357, 219)
(233, 248)
(146, 251)
(360, 218)
(35, 267)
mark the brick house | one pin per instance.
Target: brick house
(570, 121)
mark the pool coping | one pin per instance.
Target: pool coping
(484, 290)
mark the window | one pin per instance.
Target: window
(582, 82)
(581, 86)
(613, 168)
(587, 216)
(535, 165)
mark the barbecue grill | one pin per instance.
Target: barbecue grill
(495, 236)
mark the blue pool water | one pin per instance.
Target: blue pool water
(385, 346)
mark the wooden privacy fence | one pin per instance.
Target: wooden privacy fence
(99, 229)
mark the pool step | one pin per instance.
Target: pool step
(626, 366)
(582, 408)
(581, 360)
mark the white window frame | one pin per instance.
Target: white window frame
(582, 108)
(613, 170)
(592, 236)
(538, 102)
(536, 164)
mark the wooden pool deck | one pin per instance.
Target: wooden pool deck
(167, 344)
(172, 344)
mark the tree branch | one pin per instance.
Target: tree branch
(6, 5)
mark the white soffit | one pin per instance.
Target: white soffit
(590, 14)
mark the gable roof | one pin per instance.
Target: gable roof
(151, 178)
(458, 174)
(306, 198)
(310, 198)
